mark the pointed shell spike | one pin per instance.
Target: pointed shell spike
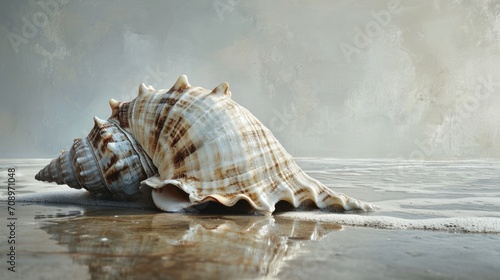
(222, 89)
(115, 105)
(181, 84)
(142, 89)
(98, 122)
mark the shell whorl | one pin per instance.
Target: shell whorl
(108, 161)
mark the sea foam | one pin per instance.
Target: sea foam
(455, 224)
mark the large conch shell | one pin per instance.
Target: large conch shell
(207, 147)
(108, 161)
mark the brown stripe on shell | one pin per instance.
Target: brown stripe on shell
(100, 140)
(178, 131)
(164, 104)
(123, 116)
(177, 127)
(112, 174)
(298, 192)
(182, 154)
(99, 143)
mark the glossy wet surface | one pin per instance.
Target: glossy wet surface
(149, 245)
(85, 238)
(60, 242)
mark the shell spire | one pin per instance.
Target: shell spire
(108, 161)
(60, 171)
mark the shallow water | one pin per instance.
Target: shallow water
(438, 220)
(441, 195)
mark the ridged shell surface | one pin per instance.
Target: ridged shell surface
(207, 147)
(108, 161)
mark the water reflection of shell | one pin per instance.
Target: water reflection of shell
(172, 246)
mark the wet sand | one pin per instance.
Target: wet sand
(71, 241)
(63, 242)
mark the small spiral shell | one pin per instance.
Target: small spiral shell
(108, 161)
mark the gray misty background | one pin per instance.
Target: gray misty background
(418, 79)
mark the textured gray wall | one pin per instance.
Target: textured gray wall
(418, 79)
